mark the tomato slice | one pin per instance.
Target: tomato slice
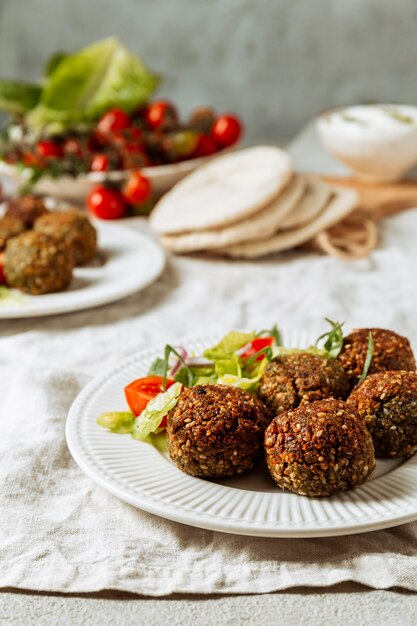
(255, 345)
(139, 392)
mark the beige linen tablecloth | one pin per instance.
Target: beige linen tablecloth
(61, 532)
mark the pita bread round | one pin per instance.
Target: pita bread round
(260, 225)
(314, 200)
(223, 191)
(341, 204)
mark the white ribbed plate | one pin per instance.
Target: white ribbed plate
(130, 262)
(251, 504)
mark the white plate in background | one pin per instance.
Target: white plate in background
(127, 262)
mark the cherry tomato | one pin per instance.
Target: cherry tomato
(114, 120)
(205, 146)
(139, 392)
(49, 149)
(161, 115)
(107, 204)
(31, 160)
(93, 143)
(137, 188)
(2, 276)
(255, 345)
(226, 130)
(185, 142)
(73, 147)
(99, 163)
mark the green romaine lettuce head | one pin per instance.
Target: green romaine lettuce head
(86, 84)
(53, 62)
(149, 420)
(18, 98)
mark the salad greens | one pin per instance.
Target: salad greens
(219, 364)
(78, 88)
(18, 98)
(121, 422)
(152, 416)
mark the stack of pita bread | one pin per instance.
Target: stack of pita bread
(249, 204)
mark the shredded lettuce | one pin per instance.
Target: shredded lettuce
(121, 422)
(151, 417)
(230, 365)
(228, 345)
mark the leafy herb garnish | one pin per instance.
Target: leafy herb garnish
(272, 332)
(333, 339)
(160, 368)
(368, 359)
(350, 118)
(267, 351)
(401, 117)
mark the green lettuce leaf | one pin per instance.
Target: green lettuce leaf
(149, 420)
(86, 84)
(228, 366)
(121, 422)
(248, 384)
(53, 62)
(228, 345)
(18, 98)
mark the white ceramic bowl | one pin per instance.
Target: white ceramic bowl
(75, 190)
(378, 142)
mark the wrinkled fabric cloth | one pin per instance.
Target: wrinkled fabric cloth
(59, 531)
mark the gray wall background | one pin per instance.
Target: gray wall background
(276, 62)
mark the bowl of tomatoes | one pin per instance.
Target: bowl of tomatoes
(70, 165)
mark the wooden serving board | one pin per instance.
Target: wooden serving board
(378, 199)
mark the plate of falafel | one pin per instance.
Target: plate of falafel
(259, 433)
(56, 260)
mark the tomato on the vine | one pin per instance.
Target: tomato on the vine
(137, 188)
(226, 130)
(161, 115)
(49, 149)
(107, 204)
(114, 120)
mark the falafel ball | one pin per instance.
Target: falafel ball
(387, 402)
(9, 228)
(297, 377)
(319, 449)
(390, 352)
(37, 263)
(74, 228)
(26, 208)
(216, 430)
